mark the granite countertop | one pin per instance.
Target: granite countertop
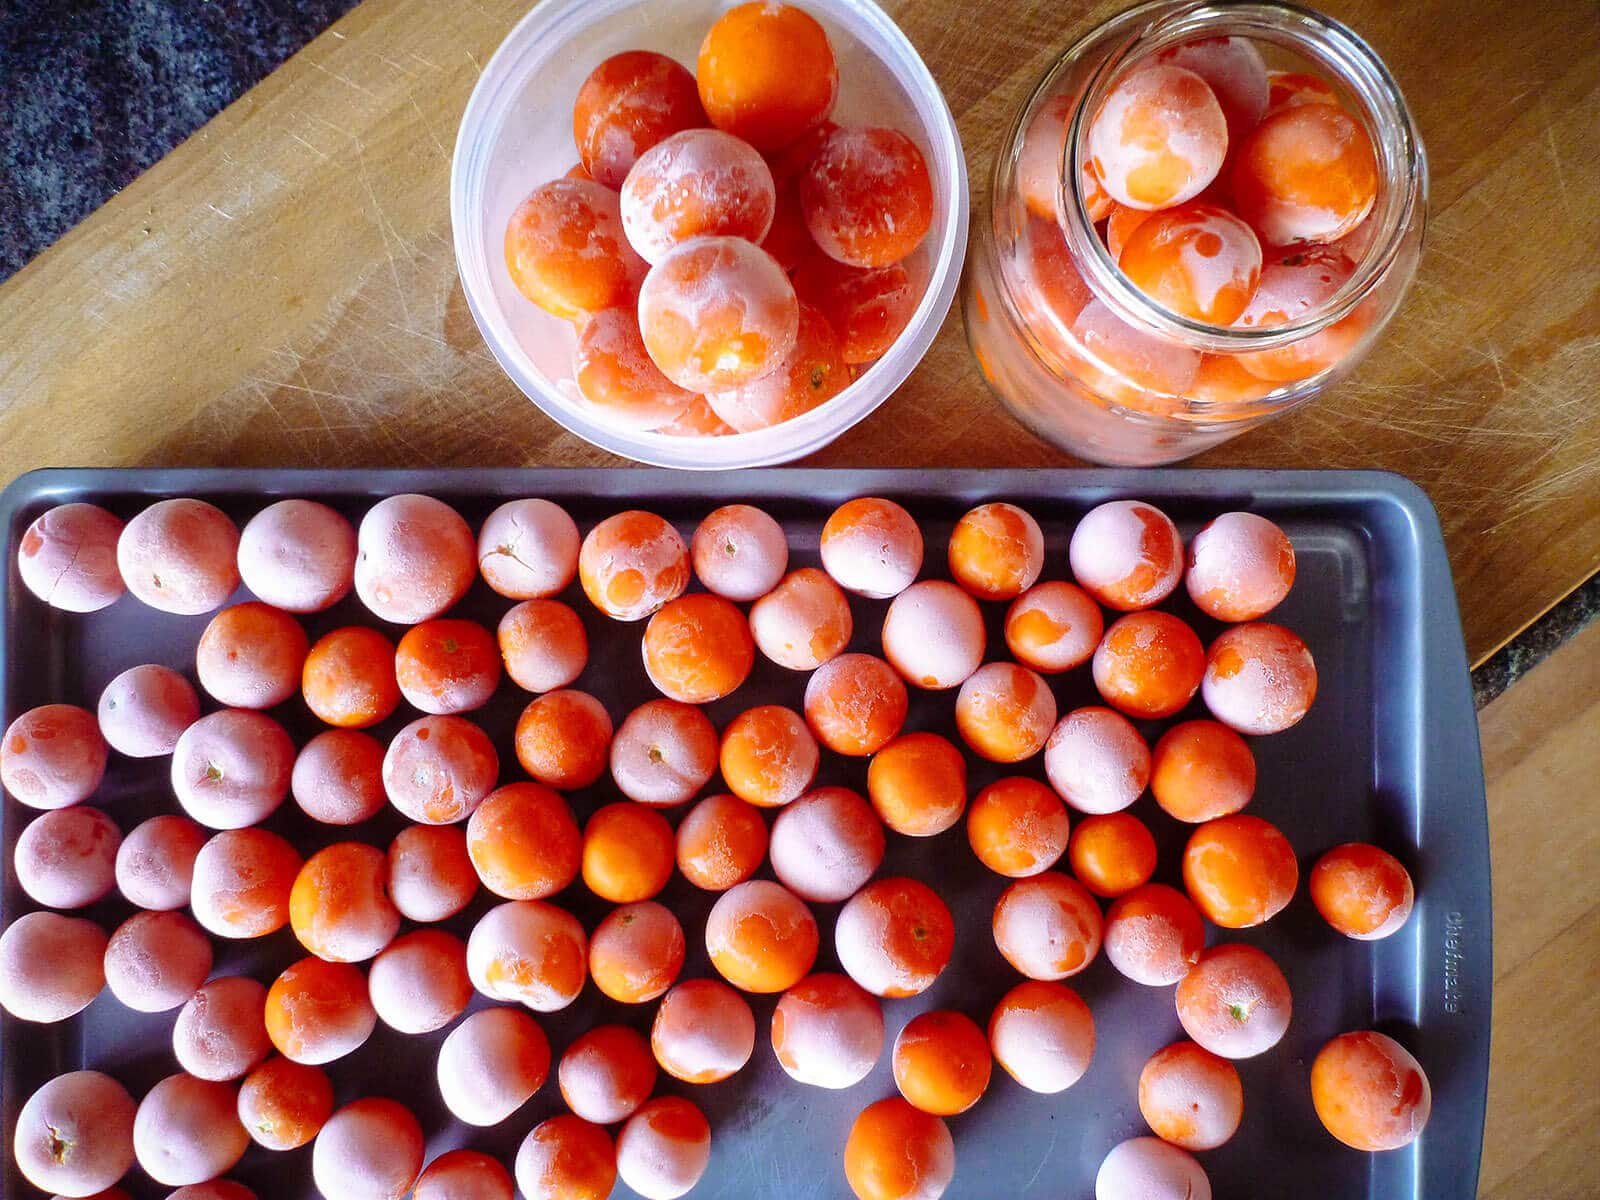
(92, 92)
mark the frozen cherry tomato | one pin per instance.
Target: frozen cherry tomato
(1159, 139)
(1040, 163)
(1147, 1168)
(996, 551)
(1053, 627)
(1294, 284)
(1127, 554)
(1288, 88)
(1120, 226)
(68, 558)
(867, 196)
(629, 103)
(1241, 566)
(1149, 664)
(1056, 292)
(1260, 678)
(868, 309)
(1307, 174)
(614, 373)
(1130, 366)
(767, 74)
(1221, 379)
(1233, 68)
(631, 564)
(1197, 260)
(700, 181)
(697, 421)
(812, 373)
(717, 313)
(1369, 1092)
(566, 251)
(1362, 891)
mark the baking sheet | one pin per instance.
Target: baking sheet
(1388, 753)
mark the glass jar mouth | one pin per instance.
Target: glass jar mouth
(1402, 166)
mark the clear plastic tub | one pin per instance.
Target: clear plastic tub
(517, 134)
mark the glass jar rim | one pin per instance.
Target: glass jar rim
(1322, 39)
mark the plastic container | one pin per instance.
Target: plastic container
(1388, 753)
(1039, 363)
(517, 134)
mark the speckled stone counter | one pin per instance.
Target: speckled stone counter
(94, 91)
(1537, 642)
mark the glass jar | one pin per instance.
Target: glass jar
(1090, 362)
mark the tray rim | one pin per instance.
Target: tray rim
(1444, 706)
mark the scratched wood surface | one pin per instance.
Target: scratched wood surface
(1541, 749)
(281, 289)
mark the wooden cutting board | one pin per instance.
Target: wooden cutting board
(1539, 741)
(281, 289)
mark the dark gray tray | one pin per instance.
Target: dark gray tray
(1389, 753)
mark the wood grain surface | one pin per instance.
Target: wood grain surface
(1541, 749)
(281, 289)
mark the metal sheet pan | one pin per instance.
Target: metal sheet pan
(1389, 753)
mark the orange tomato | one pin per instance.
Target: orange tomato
(721, 841)
(867, 196)
(1018, 827)
(348, 679)
(996, 551)
(767, 73)
(1112, 853)
(894, 937)
(523, 842)
(1042, 1033)
(1149, 664)
(1053, 627)
(1197, 260)
(628, 852)
(918, 784)
(563, 739)
(1362, 891)
(566, 1158)
(1047, 926)
(606, 1074)
(282, 1103)
(761, 937)
(1307, 173)
(1154, 935)
(717, 313)
(566, 252)
(339, 906)
(447, 666)
(1240, 871)
(1235, 1001)
(1191, 1097)
(703, 1031)
(803, 622)
(698, 648)
(898, 1152)
(1201, 770)
(1005, 712)
(636, 952)
(768, 756)
(855, 704)
(942, 1062)
(1369, 1091)
(629, 103)
(631, 564)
